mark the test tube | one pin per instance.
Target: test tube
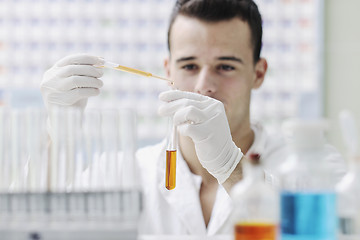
(170, 176)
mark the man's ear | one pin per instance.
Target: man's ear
(260, 71)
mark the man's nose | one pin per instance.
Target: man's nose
(205, 83)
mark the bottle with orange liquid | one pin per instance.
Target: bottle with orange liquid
(256, 214)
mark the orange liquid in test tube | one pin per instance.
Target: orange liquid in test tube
(170, 169)
(258, 231)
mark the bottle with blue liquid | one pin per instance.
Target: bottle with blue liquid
(307, 192)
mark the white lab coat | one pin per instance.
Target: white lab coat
(178, 212)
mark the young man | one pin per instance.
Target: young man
(214, 61)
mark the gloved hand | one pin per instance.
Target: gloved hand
(203, 119)
(71, 81)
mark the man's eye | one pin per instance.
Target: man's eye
(189, 67)
(226, 68)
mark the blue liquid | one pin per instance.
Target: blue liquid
(308, 216)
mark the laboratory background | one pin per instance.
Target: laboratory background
(310, 45)
(312, 48)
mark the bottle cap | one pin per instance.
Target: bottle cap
(305, 134)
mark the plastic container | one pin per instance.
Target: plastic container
(348, 202)
(256, 214)
(307, 189)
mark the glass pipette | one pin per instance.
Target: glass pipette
(132, 70)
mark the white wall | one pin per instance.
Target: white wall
(342, 63)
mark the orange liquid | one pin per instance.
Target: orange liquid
(255, 231)
(170, 169)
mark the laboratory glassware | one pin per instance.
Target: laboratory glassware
(171, 154)
(307, 185)
(256, 214)
(82, 186)
(133, 71)
(348, 189)
(348, 208)
(22, 150)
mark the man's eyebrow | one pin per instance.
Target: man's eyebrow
(231, 58)
(183, 59)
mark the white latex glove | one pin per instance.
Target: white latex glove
(71, 81)
(203, 119)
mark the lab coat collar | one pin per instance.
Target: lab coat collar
(258, 145)
(187, 208)
(222, 210)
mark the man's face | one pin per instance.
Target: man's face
(216, 60)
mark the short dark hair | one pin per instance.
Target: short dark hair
(219, 10)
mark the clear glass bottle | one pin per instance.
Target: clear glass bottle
(348, 191)
(307, 186)
(256, 213)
